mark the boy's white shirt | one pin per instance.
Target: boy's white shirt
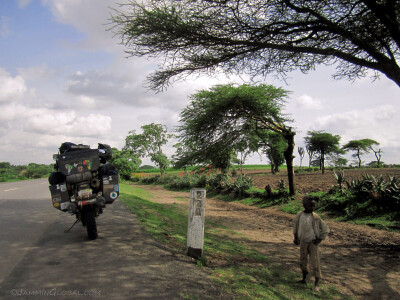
(320, 229)
(306, 231)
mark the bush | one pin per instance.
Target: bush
(368, 195)
(219, 182)
(241, 184)
(150, 179)
(199, 181)
(180, 183)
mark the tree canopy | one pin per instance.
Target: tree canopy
(126, 162)
(360, 147)
(323, 143)
(262, 36)
(219, 121)
(149, 143)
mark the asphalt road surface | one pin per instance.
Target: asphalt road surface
(38, 260)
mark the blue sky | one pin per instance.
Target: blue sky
(64, 77)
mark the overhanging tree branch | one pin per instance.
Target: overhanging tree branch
(261, 37)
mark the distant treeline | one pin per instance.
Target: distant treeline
(9, 172)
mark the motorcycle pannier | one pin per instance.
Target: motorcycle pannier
(110, 188)
(59, 196)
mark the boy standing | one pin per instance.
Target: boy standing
(309, 230)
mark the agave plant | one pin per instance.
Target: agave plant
(339, 178)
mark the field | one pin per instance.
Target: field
(359, 261)
(308, 182)
(251, 253)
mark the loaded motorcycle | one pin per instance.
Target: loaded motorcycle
(83, 183)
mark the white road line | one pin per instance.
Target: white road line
(11, 190)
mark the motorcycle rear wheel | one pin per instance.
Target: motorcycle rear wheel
(89, 220)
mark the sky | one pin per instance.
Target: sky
(65, 77)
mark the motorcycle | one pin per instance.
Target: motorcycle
(83, 183)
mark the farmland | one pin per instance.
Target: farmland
(250, 251)
(309, 182)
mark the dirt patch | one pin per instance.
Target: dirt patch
(314, 181)
(360, 261)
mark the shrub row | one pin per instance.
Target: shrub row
(368, 195)
(240, 186)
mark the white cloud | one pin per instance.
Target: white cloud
(308, 102)
(379, 123)
(53, 122)
(68, 123)
(36, 72)
(89, 17)
(11, 88)
(86, 102)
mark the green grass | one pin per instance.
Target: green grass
(384, 222)
(241, 271)
(293, 207)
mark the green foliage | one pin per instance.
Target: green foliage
(292, 207)
(5, 165)
(241, 184)
(339, 178)
(360, 147)
(126, 162)
(226, 119)
(365, 196)
(10, 172)
(274, 146)
(258, 37)
(219, 182)
(150, 179)
(306, 170)
(37, 171)
(146, 168)
(149, 143)
(322, 143)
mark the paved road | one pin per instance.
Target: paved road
(38, 260)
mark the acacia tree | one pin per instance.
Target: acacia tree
(149, 143)
(245, 148)
(378, 155)
(262, 36)
(310, 152)
(301, 153)
(360, 147)
(323, 143)
(219, 119)
(274, 145)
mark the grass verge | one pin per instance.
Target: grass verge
(240, 271)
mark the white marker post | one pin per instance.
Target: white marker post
(195, 236)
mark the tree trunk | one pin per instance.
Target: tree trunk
(378, 156)
(288, 154)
